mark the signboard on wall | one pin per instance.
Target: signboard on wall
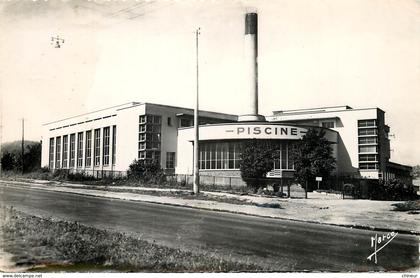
(251, 131)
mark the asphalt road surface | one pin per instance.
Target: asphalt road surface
(283, 245)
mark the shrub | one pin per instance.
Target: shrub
(392, 190)
(60, 174)
(146, 171)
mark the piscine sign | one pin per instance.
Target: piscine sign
(249, 131)
(268, 130)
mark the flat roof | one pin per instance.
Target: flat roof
(92, 112)
(320, 110)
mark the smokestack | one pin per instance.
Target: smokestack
(251, 64)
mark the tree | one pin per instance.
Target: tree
(257, 159)
(32, 155)
(312, 157)
(8, 161)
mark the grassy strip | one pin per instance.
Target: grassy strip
(66, 243)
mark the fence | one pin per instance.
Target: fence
(348, 187)
(97, 174)
(282, 187)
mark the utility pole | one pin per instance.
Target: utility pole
(1, 135)
(1, 141)
(23, 145)
(196, 182)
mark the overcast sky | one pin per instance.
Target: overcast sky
(312, 53)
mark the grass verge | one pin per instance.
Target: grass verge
(55, 245)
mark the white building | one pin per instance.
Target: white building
(109, 140)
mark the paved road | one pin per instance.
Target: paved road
(283, 245)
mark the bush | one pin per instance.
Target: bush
(60, 174)
(146, 171)
(80, 177)
(392, 190)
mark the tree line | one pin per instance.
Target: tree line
(12, 159)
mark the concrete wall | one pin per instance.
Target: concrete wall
(128, 135)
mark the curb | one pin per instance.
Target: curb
(360, 227)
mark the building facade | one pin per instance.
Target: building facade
(107, 141)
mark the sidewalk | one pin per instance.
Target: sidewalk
(318, 208)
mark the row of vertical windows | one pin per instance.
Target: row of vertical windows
(218, 155)
(68, 150)
(227, 155)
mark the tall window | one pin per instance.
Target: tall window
(97, 147)
(88, 150)
(105, 147)
(51, 153)
(80, 149)
(65, 150)
(114, 143)
(58, 152)
(72, 149)
(170, 160)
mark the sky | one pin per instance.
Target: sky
(312, 53)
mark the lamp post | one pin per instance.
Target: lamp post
(196, 182)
